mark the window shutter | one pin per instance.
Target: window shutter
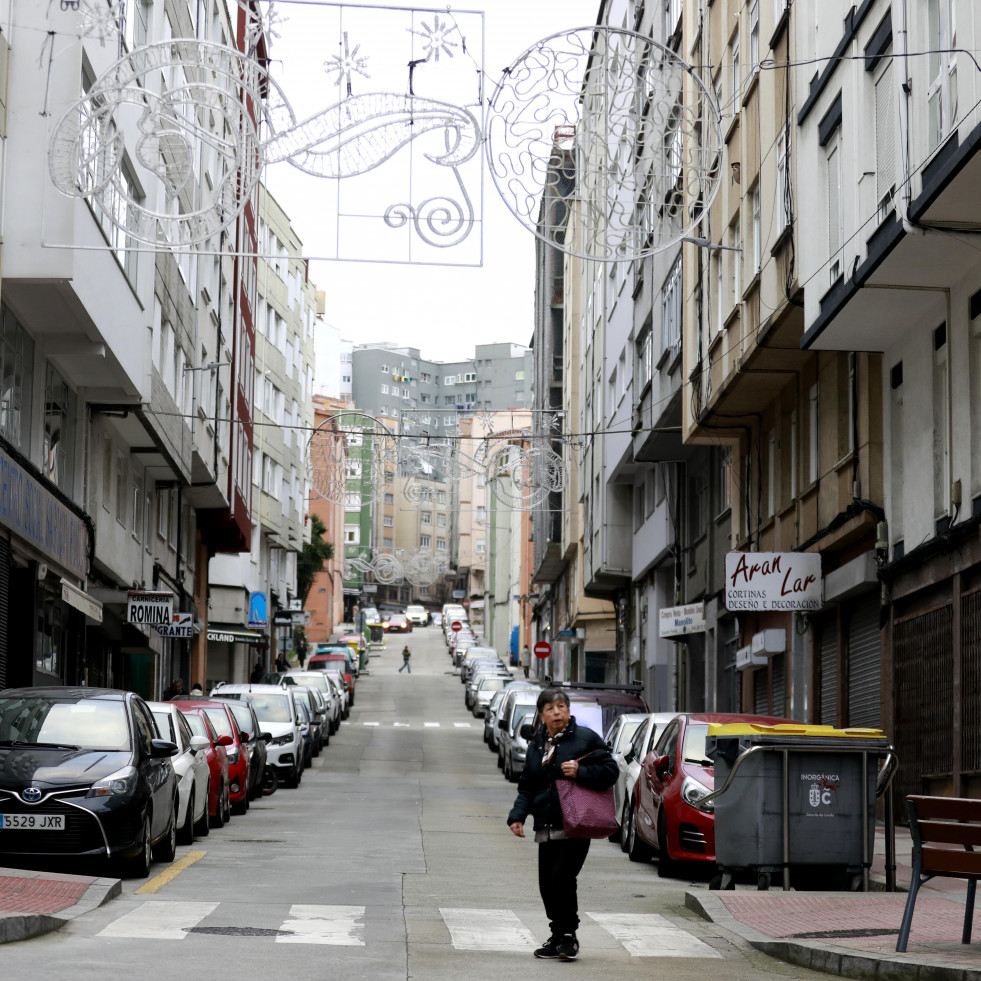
(885, 136)
(834, 202)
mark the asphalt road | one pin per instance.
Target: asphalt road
(392, 860)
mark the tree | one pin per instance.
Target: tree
(311, 560)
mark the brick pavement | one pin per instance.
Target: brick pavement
(20, 894)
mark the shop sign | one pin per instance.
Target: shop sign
(678, 620)
(150, 608)
(258, 609)
(31, 511)
(182, 625)
(233, 637)
(773, 581)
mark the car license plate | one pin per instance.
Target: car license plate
(32, 822)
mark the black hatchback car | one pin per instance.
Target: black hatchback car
(83, 774)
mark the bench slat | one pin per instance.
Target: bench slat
(950, 832)
(947, 808)
(945, 861)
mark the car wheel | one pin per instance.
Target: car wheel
(625, 825)
(138, 867)
(270, 781)
(637, 850)
(165, 850)
(228, 804)
(218, 821)
(666, 865)
(185, 836)
(203, 827)
(240, 806)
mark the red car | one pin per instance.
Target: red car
(676, 772)
(221, 716)
(398, 623)
(327, 660)
(219, 792)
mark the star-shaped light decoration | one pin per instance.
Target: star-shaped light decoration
(436, 39)
(345, 65)
(261, 25)
(99, 20)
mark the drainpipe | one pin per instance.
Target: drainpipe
(902, 35)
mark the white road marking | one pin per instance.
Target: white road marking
(371, 723)
(401, 725)
(486, 929)
(651, 935)
(431, 725)
(338, 926)
(462, 725)
(159, 920)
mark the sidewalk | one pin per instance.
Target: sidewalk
(854, 934)
(32, 903)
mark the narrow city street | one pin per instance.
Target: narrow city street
(391, 860)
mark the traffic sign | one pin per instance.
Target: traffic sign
(456, 626)
(466, 602)
(542, 649)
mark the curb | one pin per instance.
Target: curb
(24, 926)
(828, 958)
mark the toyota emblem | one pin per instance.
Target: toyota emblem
(31, 795)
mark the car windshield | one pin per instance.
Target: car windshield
(269, 706)
(492, 684)
(197, 724)
(219, 719)
(626, 734)
(694, 749)
(243, 718)
(312, 680)
(87, 723)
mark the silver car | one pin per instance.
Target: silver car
(644, 737)
(516, 702)
(481, 675)
(517, 751)
(485, 691)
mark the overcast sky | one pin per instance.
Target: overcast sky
(442, 310)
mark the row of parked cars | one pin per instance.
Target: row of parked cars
(664, 768)
(100, 774)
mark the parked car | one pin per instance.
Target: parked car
(83, 774)
(417, 615)
(355, 642)
(630, 739)
(673, 775)
(494, 708)
(216, 753)
(191, 769)
(306, 727)
(249, 725)
(317, 710)
(221, 716)
(481, 674)
(515, 702)
(485, 689)
(332, 700)
(277, 715)
(337, 680)
(338, 661)
(397, 623)
(517, 743)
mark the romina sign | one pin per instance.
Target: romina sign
(152, 608)
(773, 581)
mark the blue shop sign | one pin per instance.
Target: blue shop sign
(31, 511)
(257, 610)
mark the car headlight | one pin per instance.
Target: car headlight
(232, 755)
(693, 792)
(119, 784)
(283, 740)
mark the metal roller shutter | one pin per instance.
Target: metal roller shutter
(4, 604)
(761, 705)
(828, 654)
(864, 664)
(779, 668)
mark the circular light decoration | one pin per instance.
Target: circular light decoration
(352, 459)
(604, 143)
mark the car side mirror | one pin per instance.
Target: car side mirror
(162, 749)
(199, 743)
(266, 737)
(226, 741)
(244, 736)
(527, 731)
(661, 766)
(630, 755)
(502, 724)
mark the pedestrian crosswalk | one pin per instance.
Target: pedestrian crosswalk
(469, 929)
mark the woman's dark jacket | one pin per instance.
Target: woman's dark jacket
(536, 787)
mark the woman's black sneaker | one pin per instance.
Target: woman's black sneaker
(548, 949)
(568, 947)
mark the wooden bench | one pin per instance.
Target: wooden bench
(936, 823)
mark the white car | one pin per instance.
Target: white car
(277, 714)
(319, 681)
(345, 696)
(418, 615)
(191, 769)
(630, 760)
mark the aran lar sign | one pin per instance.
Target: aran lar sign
(773, 581)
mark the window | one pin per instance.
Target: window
(519, 376)
(122, 485)
(720, 315)
(885, 139)
(480, 547)
(389, 498)
(426, 518)
(736, 77)
(643, 364)
(163, 514)
(941, 423)
(672, 14)
(440, 520)
(469, 376)
(17, 372)
(60, 419)
(834, 209)
(449, 379)
(735, 244)
(385, 369)
(441, 497)
(384, 390)
(754, 36)
(725, 479)
(481, 515)
(813, 449)
(136, 508)
(386, 542)
(352, 534)
(639, 515)
(388, 521)
(941, 70)
(425, 541)
(783, 183)
(671, 312)
(757, 244)
(440, 544)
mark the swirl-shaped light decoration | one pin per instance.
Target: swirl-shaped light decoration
(612, 127)
(352, 459)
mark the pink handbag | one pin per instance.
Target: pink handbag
(586, 813)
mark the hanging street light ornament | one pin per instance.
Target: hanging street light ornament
(352, 459)
(604, 143)
(436, 38)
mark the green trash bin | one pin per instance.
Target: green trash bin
(798, 800)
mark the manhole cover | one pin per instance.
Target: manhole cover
(232, 931)
(844, 934)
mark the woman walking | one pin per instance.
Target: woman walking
(554, 754)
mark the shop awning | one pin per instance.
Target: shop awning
(81, 600)
(218, 634)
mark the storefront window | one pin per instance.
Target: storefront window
(17, 372)
(59, 431)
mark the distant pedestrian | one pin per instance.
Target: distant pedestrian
(175, 690)
(257, 672)
(281, 663)
(526, 659)
(197, 691)
(301, 652)
(553, 754)
(406, 654)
